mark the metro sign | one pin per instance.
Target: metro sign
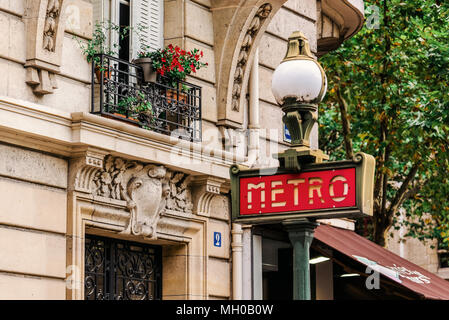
(298, 192)
(324, 190)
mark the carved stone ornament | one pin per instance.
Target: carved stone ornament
(148, 189)
(51, 20)
(45, 26)
(204, 190)
(262, 13)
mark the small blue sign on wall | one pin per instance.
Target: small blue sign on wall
(287, 137)
(217, 239)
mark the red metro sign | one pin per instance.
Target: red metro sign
(331, 189)
(298, 192)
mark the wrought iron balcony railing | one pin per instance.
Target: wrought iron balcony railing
(119, 92)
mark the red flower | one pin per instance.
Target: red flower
(175, 63)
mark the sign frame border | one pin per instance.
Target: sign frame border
(362, 162)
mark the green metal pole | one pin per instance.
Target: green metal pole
(300, 232)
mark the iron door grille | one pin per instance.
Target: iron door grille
(121, 270)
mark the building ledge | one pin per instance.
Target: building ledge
(61, 133)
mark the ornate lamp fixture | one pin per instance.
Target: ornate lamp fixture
(299, 84)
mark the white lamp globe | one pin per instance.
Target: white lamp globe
(299, 76)
(302, 79)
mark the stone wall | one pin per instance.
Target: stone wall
(198, 32)
(73, 81)
(33, 211)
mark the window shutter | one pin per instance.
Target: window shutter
(149, 14)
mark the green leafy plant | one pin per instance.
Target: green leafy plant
(174, 63)
(388, 96)
(137, 105)
(99, 44)
(144, 48)
(126, 104)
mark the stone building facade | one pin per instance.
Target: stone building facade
(69, 177)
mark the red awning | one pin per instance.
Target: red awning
(402, 271)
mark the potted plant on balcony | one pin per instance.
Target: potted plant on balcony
(144, 110)
(99, 44)
(144, 61)
(174, 65)
(137, 107)
(143, 56)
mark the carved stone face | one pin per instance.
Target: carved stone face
(146, 192)
(147, 189)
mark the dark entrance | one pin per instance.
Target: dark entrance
(121, 270)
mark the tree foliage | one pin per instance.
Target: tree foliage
(388, 96)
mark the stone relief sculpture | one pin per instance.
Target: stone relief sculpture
(262, 13)
(180, 197)
(45, 25)
(148, 190)
(51, 20)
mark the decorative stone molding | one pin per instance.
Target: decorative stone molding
(261, 15)
(147, 190)
(96, 216)
(180, 198)
(338, 20)
(44, 34)
(238, 29)
(83, 167)
(204, 189)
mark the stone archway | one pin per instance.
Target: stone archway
(238, 28)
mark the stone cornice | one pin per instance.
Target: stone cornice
(65, 134)
(351, 11)
(347, 15)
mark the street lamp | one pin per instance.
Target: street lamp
(299, 83)
(299, 79)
